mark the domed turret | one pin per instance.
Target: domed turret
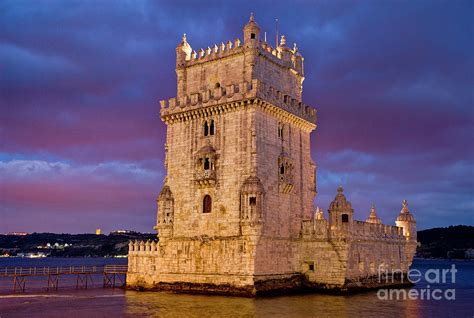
(340, 210)
(340, 202)
(405, 214)
(406, 220)
(183, 51)
(251, 33)
(373, 218)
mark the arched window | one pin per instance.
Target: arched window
(345, 218)
(217, 85)
(206, 129)
(207, 204)
(280, 131)
(211, 128)
(207, 164)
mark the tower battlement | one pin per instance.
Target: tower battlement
(173, 108)
(233, 63)
(283, 56)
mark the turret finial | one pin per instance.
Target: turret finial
(373, 218)
(184, 38)
(251, 17)
(405, 207)
(340, 189)
(283, 41)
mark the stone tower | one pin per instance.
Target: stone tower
(238, 142)
(236, 212)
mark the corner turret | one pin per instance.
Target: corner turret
(251, 33)
(183, 51)
(406, 220)
(340, 211)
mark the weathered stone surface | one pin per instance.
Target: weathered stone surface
(236, 212)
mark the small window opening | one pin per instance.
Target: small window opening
(311, 267)
(253, 201)
(211, 128)
(282, 169)
(217, 85)
(206, 129)
(345, 218)
(207, 204)
(252, 35)
(207, 164)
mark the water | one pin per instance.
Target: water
(100, 302)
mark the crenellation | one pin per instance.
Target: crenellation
(239, 91)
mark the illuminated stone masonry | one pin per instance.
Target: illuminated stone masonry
(236, 213)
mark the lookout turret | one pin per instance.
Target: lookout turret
(406, 220)
(251, 33)
(340, 211)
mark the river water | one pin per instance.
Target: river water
(98, 302)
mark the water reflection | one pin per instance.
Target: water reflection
(174, 305)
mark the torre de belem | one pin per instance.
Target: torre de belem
(236, 212)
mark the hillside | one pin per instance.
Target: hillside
(446, 242)
(70, 245)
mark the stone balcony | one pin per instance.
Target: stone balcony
(205, 178)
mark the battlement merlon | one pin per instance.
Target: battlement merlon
(282, 56)
(209, 101)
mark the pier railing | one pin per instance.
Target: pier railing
(112, 275)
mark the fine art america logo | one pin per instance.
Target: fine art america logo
(432, 277)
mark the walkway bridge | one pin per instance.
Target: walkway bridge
(112, 276)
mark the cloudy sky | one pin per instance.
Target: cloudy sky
(81, 142)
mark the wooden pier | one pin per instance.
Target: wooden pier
(112, 275)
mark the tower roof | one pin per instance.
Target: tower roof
(251, 24)
(252, 185)
(373, 218)
(184, 42)
(340, 202)
(165, 193)
(405, 214)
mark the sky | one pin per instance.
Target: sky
(82, 144)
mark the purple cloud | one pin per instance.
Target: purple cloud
(82, 142)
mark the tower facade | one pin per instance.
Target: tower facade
(240, 183)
